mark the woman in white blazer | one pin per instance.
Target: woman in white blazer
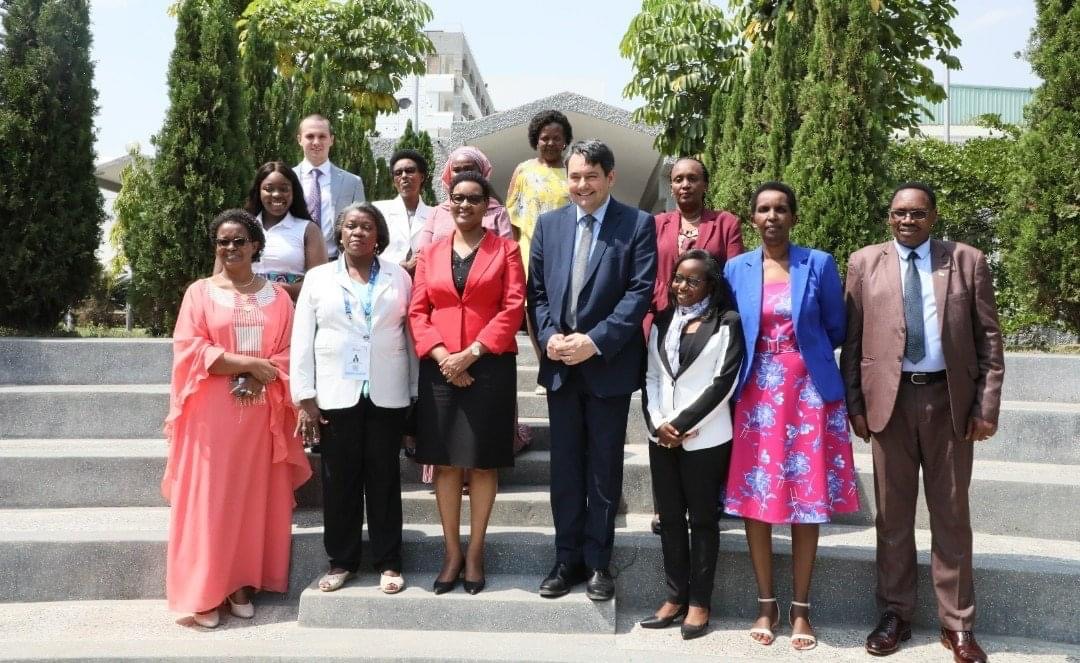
(695, 352)
(407, 214)
(354, 379)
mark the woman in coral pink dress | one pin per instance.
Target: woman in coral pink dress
(791, 459)
(234, 456)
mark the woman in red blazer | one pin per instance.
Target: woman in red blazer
(467, 304)
(690, 226)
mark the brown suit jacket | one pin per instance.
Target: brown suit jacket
(970, 337)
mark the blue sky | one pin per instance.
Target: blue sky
(525, 50)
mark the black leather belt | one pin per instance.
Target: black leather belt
(922, 378)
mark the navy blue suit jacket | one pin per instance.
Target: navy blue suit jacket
(612, 303)
(817, 311)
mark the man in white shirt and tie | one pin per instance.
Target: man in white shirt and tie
(327, 188)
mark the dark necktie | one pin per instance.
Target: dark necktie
(581, 262)
(915, 343)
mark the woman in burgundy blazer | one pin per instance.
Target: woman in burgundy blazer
(468, 301)
(690, 226)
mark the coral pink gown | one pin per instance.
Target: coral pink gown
(231, 469)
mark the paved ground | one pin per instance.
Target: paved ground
(144, 630)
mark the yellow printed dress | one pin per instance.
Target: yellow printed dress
(535, 188)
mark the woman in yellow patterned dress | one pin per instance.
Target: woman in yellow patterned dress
(539, 185)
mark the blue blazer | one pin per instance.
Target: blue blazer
(617, 292)
(818, 313)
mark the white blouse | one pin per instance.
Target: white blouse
(284, 250)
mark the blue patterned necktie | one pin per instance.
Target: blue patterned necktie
(915, 343)
(581, 262)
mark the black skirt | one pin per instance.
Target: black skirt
(469, 427)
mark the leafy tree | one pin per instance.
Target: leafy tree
(202, 165)
(837, 161)
(685, 52)
(421, 142)
(787, 67)
(267, 99)
(133, 206)
(371, 45)
(681, 52)
(1043, 222)
(50, 206)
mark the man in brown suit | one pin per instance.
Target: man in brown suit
(923, 367)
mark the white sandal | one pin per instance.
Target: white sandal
(801, 637)
(331, 582)
(391, 584)
(766, 631)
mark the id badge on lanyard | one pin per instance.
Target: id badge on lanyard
(356, 355)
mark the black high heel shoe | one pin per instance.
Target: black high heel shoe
(691, 631)
(474, 587)
(444, 586)
(664, 622)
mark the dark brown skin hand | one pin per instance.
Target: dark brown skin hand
(979, 429)
(858, 424)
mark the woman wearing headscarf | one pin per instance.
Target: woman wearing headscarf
(441, 221)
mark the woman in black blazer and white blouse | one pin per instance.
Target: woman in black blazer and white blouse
(695, 352)
(354, 378)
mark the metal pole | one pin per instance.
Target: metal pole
(416, 103)
(948, 106)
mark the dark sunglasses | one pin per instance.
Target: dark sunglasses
(410, 170)
(226, 243)
(472, 198)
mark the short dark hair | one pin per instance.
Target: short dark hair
(473, 176)
(243, 218)
(595, 152)
(720, 299)
(775, 186)
(921, 186)
(382, 231)
(544, 118)
(298, 208)
(704, 168)
(413, 156)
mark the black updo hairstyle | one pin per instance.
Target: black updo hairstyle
(544, 118)
(719, 297)
(243, 218)
(473, 176)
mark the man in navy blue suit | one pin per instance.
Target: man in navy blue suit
(592, 267)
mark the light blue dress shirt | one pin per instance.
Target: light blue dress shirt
(934, 360)
(599, 216)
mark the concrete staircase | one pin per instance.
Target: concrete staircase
(83, 531)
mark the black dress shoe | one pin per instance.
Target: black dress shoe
(655, 525)
(663, 622)
(562, 578)
(890, 632)
(691, 631)
(600, 586)
(475, 587)
(442, 587)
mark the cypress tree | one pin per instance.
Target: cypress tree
(263, 99)
(741, 157)
(50, 206)
(837, 163)
(1043, 222)
(785, 71)
(421, 142)
(203, 162)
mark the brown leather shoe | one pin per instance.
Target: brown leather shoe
(890, 632)
(963, 646)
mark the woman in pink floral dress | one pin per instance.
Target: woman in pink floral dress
(791, 457)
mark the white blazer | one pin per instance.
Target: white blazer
(321, 329)
(695, 398)
(403, 236)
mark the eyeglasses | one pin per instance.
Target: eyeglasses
(225, 243)
(405, 170)
(913, 214)
(691, 281)
(472, 198)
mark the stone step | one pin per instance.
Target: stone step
(508, 603)
(1026, 587)
(28, 361)
(1006, 497)
(144, 631)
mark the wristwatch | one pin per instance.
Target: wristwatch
(475, 350)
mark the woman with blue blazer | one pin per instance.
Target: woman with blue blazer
(791, 459)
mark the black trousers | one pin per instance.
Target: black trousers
(587, 438)
(688, 483)
(360, 450)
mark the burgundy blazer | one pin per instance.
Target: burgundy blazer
(873, 352)
(718, 233)
(490, 309)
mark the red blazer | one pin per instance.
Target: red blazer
(718, 233)
(490, 310)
